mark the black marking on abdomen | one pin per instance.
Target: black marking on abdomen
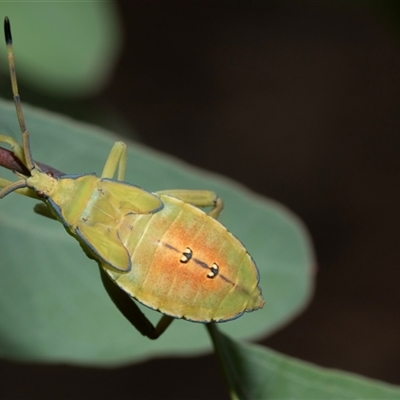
(214, 271)
(201, 263)
(227, 280)
(168, 246)
(186, 255)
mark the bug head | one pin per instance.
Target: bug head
(23, 153)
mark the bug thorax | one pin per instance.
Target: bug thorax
(41, 182)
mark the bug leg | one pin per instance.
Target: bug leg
(40, 208)
(116, 160)
(4, 183)
(16, 148)
(198, 198)
(131, 311)
(216, 210)
(163, 324)
(43, 210)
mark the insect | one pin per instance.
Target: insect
(158, 248)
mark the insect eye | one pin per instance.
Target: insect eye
(41, 194)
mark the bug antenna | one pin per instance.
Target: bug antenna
(17, 100)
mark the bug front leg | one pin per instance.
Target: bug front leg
(116, 160)
(127, 306)
(198, 198)
(16, 148)
(24, 191)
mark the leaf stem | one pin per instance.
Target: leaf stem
(223, 360)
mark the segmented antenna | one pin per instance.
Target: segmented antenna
(17, 100)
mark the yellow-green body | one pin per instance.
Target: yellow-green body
(140, 240)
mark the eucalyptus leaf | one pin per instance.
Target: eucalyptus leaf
(256, 372)
(53, 306)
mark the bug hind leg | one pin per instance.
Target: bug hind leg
(116, 161)
(198, 198)
(127, 306)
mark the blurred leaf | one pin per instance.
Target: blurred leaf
(66, 48)
(255, 372)
(52, 303)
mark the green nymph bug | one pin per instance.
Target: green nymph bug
(158, 248)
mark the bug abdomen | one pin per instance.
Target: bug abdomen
(187, 265)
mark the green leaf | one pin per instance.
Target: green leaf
(255, 372)
(53, 306)
(66, 48)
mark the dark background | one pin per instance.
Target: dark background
(300, 102)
